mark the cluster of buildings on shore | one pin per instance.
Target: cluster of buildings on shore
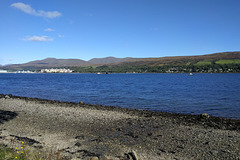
(52, 70)
(23, 71)
(3, 71)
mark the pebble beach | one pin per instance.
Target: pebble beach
(84, 131)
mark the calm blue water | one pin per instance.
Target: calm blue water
(215, 94)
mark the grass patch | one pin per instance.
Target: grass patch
(203, 63)
(7, 153)
(228, 61)
(26, 153)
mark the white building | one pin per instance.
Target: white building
(52, 70)
(3, 71)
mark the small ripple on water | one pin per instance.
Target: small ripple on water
(158, 92)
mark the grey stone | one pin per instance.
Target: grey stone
(7, 97)
(214, 152)
(204, 116)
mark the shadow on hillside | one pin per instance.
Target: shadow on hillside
(6, 116)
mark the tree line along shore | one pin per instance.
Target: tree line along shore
(211, 68)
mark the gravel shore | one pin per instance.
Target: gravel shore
(84, 131)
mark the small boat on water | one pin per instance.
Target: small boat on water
(190, 74)
(102, 73)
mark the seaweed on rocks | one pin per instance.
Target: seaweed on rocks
(206, 121)
(84, 131)
(26, 140)
(7, 116)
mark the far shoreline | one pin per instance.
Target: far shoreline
(114, 107)
(126, 73)
(198, 119)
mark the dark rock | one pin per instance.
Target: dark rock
(26, 140)
(181, 147)
(173, 152)
(78, 144)
(133, 155)
(119, 129)
(7, 115)
(128, 156)
(162, 150)
(131, 134)
(98, 140)
(150, 134)
(206, 143)
(86, 153)
(129, 123)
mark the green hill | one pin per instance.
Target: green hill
(214, 63)
(217, 63)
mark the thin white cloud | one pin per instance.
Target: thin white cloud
(49, 30)
(29, 10)
(38, 39)
(60, 36)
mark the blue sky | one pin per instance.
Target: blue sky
(85, 29)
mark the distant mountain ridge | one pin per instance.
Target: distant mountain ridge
(54, 62)
(108, 60)
(182, 60)
(128, 61)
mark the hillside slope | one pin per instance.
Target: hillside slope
(46, 63)
(112, 64)
(53, 63)
(108, 60)
(213, 63)
(181, 60)
(56, 62)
